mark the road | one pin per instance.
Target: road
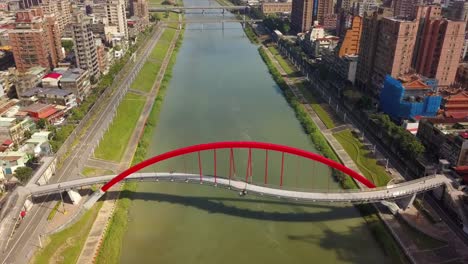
(26, 238)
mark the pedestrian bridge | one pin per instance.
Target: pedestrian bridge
(392, 192)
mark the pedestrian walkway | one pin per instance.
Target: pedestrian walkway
(95, 236)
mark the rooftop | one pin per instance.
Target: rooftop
(52, 75)
(72, 74)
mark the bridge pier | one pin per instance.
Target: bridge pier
(75, 197)
(406, 202)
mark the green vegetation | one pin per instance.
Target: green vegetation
(54, 211)
(59, 135)
(273, 22)
(291, 72)
(363, 158)
(23, 174)
(114, 142)
(93, 172)
(410, 145)
(249, 32)
(112, 243)
(65, 246)
(67, 45)
(309, 126)
(315, 104)
(147, 75)
(286, 65)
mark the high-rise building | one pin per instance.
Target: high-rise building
(301, 15)
(394, 50)
(458, 11)
(405, 8)
(35, 40)
(439, 45)
(386, 47)
(84, 45)
(367, 48)
(61, 9)
(139, 8)
(350, 44)
(116, 16)
(324, 8)
(25, 4)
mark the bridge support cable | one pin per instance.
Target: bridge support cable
(282, 169)
(240, 145)
(266, 167)
(214, 157)
(200, 167)
(248, 173)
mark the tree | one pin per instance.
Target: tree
(42, 123)
(27, 134)
(364, 103)
(23, 174)
(67, 45)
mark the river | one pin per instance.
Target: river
(221, 90)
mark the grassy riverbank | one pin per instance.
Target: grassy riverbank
(146, 77)
(114, 142)
(65, 246)
(111, 247)
(309, 126)
(363, 158)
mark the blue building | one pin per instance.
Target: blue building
(409, 97)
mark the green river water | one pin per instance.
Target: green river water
(221, 90)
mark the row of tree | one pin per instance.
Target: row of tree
(410, 145)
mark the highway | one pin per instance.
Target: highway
(26, 238)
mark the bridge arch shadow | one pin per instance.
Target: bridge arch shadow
(217, 205)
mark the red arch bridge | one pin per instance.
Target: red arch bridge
(367, 194)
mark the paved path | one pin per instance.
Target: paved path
(95, 236)
(103, 164)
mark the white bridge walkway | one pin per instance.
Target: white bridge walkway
(392, 192)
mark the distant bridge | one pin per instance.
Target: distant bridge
(209, 21)
(183, 8)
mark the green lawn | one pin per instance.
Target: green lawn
(65, 246)
(147, 75)
(314, 103)
(361, 156)
(287, 67)
(93, 172)
(113, 145)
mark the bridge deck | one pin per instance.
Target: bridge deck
(359, 196)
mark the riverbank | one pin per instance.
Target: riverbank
(45, 255)
(111, 246)
(369, 213)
